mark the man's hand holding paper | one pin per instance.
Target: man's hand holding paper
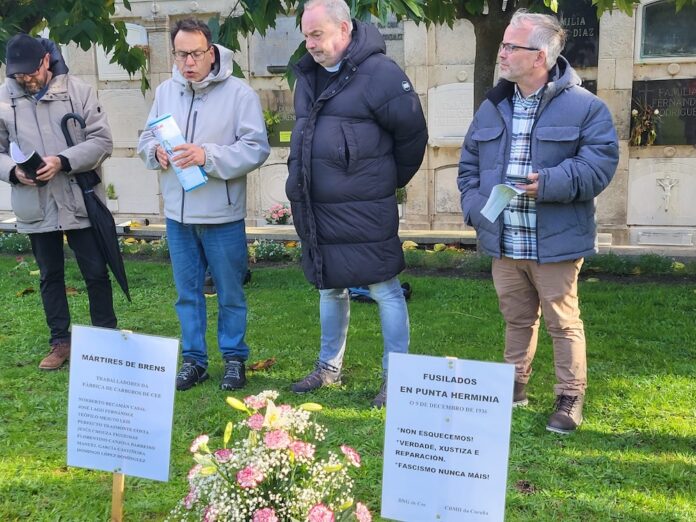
(188, 155)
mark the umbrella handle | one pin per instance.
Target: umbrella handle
(64, 126)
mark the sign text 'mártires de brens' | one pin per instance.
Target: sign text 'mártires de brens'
(447, 439)
(121, 401)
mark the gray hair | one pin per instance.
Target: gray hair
(337, 10)
(547, 33)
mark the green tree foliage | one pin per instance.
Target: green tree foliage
(83, 22)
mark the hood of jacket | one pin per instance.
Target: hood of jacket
(562, 76)
(222, 69)
(366, 40)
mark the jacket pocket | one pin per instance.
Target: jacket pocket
(488, 142)
(78, 199)
(26, 204)
(350, 145)
(555, 144)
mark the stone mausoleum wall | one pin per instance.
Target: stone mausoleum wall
(630, 62)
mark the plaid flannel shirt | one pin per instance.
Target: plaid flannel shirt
(519, 217)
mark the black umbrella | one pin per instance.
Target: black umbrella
(100, 216)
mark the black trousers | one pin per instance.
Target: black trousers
(48, 251)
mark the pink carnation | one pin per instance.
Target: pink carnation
(194, 471)
(191, 498)
(223, 455)
(249, 477)
(255, 422)
(352, 456)
(277, 439)
(210, 514)
(255, 402)
(362, 513)
(198, 442)
(265, 515)
(285, 409)
(302, 450)
(320, 513)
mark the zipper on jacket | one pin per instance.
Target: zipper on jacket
(188, 119)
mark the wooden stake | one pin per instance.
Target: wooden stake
(117, 497)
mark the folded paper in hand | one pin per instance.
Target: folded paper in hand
(169, 136)
(500, 196)
(29, 164)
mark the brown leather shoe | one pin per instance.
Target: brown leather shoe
(60, 352)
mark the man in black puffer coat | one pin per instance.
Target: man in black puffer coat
(360, 133)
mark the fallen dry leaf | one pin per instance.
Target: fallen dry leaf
(27, 290)
(262, 365)
(69, 290)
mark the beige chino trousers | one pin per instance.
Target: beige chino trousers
(526, 290)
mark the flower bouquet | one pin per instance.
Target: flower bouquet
(277, 215)
(271, 472)
(644, 121)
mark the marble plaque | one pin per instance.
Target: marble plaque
(137, 35)
(450, 112)
(579, 19)
(393, 33)
(127, 112)
(137, 188)
(668, 34)
(676, 102)
(447, 197)
(280, 104)
(269, 54)
(271, 186)
(660, 192)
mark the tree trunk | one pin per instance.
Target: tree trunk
(489, 30)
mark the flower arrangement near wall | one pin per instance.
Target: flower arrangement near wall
(277, 215)
(644, 120)
(274, 470)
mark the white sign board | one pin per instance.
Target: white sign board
(447, 439)
(121, 401)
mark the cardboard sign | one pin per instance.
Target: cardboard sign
(121, 401)
(447, 439)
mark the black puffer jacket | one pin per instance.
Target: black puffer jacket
(364, 136)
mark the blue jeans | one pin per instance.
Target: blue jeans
(223, 248)
(334, 312)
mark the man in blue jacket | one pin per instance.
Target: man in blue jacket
(541, 132)
(359, 134)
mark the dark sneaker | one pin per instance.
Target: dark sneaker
(519, 395)
(318, 378)
(209, 286)
(189, 375)
(567, 415)
(60, 352)
(235, 375)
(380, 400)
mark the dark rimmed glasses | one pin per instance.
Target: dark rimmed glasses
(182, 56)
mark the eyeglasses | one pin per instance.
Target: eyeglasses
(511, 48)
(182, 56)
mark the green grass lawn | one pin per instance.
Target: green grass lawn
(634, 458)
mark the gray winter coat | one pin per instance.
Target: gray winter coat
(574, 149)
(223, 115)
(59, 205)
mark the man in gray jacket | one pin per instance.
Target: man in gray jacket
(38, 92)
(221, 120)
(541, 132)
